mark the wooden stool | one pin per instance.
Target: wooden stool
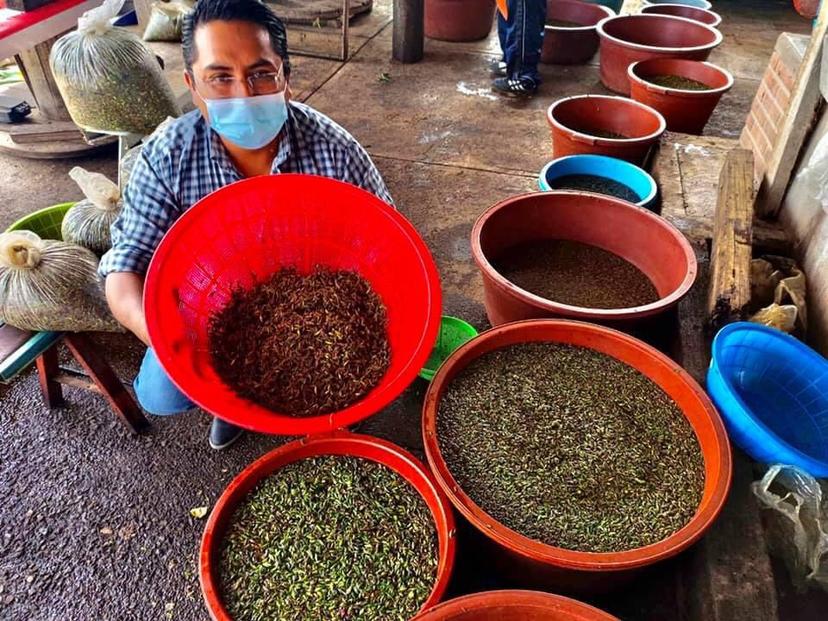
(18, 349)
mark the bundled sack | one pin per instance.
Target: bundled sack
(109, 80)
(127, 163)
(165, 21)
(133, 154)
(51, 285)
(87, 222)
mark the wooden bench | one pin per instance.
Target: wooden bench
(19, 349)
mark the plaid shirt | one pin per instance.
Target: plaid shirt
(185, 161)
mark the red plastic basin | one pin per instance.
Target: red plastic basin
(514, 606)
(547, 566)
(705, 16)
(245, 232)
(629, 38)
(572, 46)
(573, 119)
(684, 111)
(337, 443)
(644, 239)
(459, 20)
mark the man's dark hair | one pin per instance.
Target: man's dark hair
(252, 11)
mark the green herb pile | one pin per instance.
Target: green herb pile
(329, 538)
(570, 447)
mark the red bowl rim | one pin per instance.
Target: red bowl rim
(338, 442)
(645, 10)
(662, 123)
(717, 36)
(665, 90)
(601, 314)
(552, 555)
(497, 600)
(275, 422)
(604, 9)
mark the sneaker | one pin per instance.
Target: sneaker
(497, 69)
(515, 87)
(223, 434)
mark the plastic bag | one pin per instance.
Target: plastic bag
(778, 282)
(776, 316)
(51, 285)
(109, 80)
(87, 222)
(165, 21)
(797, 530)
(814, 176)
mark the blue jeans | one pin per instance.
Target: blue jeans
(155, 391)
(521, 37)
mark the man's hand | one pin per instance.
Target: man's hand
(125, 295)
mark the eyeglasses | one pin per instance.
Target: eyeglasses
(260, 83)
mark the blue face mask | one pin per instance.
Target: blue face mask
(249, 122)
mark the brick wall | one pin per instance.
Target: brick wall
(771, 101)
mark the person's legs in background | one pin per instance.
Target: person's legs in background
(521, 38)
(499, 65)
(159, 396)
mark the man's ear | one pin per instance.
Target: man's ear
(188, 80)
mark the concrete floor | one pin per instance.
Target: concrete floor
(95, 524)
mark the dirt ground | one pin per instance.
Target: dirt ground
(95, 523)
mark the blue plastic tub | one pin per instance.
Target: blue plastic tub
(772, 391)
(699, 4)
(635, 178)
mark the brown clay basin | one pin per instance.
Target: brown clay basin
(631, 38)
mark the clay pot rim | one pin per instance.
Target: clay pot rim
(510, 598)
(580, 312)
(644, 201)
(718, 36)
(643, 11)
(589, 139)
(595, 562)
(666, 90)
(651, 3)
(609, 13)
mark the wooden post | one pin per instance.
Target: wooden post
(346, 24)
(732, 240)
(34, 64)
(47, 369)
(408, 37)
(797, 123)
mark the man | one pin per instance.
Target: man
(520, 28)
(237, 69)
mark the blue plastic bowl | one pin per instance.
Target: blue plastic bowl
(635, 178)
(699, 4)
(772, 391)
